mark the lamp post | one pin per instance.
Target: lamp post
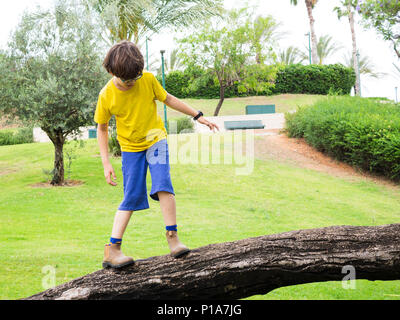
(309, 45)
(395, 90)
(163, 83)
(358, 73)
(147, 52)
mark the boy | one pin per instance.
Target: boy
(130, 96)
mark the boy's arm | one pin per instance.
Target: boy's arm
(180, 106)
(102, 138)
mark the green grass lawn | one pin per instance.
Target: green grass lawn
(67, 227)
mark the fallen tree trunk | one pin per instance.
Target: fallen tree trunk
(247, 267)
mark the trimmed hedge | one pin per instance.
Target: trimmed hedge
(179, 84)
(315, 79)
(362, 132)
(297, 78)
(10, 137)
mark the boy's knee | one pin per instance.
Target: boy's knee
(165, 193)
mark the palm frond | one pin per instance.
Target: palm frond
(366, 65)
(131, 19)
(291, 55)
(326, 47)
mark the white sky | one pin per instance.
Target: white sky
(295, 24)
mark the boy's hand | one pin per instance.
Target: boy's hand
(209, 124)
(108, 172)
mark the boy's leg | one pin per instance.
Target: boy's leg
(134, 168)
(121, 221)
(162, 190)
(168, 207)
(113, 256)
(161, 185)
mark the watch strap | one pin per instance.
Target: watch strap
(198, 115)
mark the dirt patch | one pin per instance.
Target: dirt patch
(7, 171)
(278, 146)
(67, 183)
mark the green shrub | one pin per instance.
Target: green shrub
(314, 79)
(362, 132)
(113, 144)
(182, 125)
(194, 82)
(295, 123)
(6, 138)
(175, 82)
(21, 135)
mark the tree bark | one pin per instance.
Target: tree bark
(58, 177)
(58, 139)
(395, 49)
(221, 100)
(243, 268)
(354, 53)
(314, 56)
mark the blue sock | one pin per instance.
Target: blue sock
(172, 228)
(115, 240)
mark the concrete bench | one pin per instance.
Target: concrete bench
(260, 109)
(244, 124)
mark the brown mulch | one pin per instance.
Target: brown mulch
(296, 151)
(67, 183)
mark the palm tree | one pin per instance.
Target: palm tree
(325, 48)
(291, 55)
(264, 31)
(349, 5)
(310, 6)
(367, 67)
(397, 73)
(132, 19)
(172, 63)
(154, 62)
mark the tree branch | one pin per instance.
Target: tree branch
(247, 267)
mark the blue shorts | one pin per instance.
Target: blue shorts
(134, 171)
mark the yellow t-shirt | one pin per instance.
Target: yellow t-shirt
(138, 124)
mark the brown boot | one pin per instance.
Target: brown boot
(114, 258)
(175, 246)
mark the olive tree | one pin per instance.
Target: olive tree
(51, 74)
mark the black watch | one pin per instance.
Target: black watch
(198, 115)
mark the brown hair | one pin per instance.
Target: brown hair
(124, 60)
